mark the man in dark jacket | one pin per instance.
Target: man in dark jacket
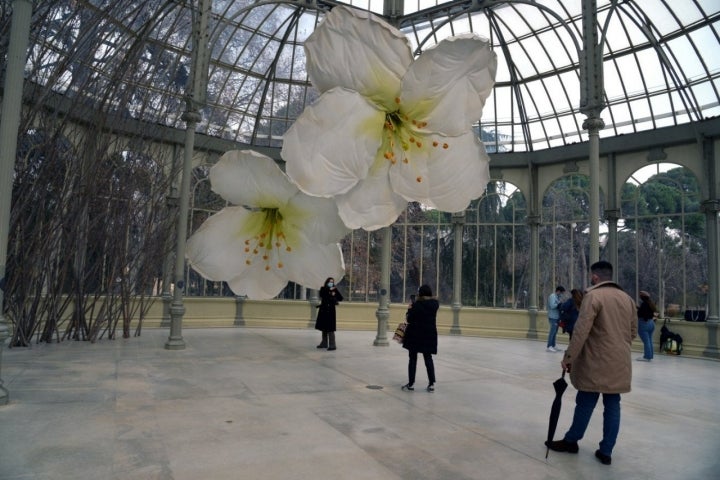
(421, 335)
(598, 359)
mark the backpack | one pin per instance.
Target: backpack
(672, 347)
(670, 343)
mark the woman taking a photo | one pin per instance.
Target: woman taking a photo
(326, 320)
(421, 335)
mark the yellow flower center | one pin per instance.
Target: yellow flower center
(401, 130)
(267, 226)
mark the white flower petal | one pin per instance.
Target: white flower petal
(320, 222)
(354, 49)
(409, 175)
(246, 177)
(372, 204)
(332, 144)
(446, 86)
(316, 264)
(452, 189)
(214, 250)
(258, 284)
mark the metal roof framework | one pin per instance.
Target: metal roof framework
(134, 59)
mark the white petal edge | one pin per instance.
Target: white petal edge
(246, 177)
(214, 250)
(359, 51)
(316, 264)
(258, 284)
(453, 188)
(321, 222)
(372, 204)
(330, 147)
(446, 86)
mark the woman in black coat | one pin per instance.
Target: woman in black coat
(325, 322)
(570, 310)
(421, 335)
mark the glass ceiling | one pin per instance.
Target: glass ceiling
(661, 65)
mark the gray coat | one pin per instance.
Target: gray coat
(599, 351)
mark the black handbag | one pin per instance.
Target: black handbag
(695, 315)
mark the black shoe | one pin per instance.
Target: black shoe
(562, 446)
(604, 459)
(431, 388)
(330, 349)
(321, 346)
(407, 386)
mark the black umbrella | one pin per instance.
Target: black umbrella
(560, 386)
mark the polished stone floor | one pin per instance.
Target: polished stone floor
(266, 404)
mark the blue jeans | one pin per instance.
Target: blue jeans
(645, 331)
(553, 331)
(584, 405)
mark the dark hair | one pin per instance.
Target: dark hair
(424, 291)
(602, 269)
(645, 297)
(327, 280)
(559, 288)
(577, 296)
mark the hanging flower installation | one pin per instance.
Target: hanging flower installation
(273, 234)
(388, 129)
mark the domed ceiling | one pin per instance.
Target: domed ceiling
(133, 58)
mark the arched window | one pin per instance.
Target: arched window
(496, 249)
(662, 238)
(565, 234)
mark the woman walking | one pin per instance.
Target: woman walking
(326, 321)
(421, 336)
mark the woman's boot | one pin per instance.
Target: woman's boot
(331, 341)
(324, 341)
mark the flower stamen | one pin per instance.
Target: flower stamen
(401, 128)
(269, 237)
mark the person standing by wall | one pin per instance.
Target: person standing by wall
(326, 319)
(646, 325)
(421, 335)
(598, 359)
(554, 301)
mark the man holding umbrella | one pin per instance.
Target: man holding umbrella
(598, 360)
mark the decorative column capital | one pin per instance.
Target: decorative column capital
(593, 124)
(533, 220)
(191, 116)
(711, 206)
(458, 218)
(612, 214)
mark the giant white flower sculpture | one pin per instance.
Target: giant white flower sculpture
(388, 129)
(273, 234)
